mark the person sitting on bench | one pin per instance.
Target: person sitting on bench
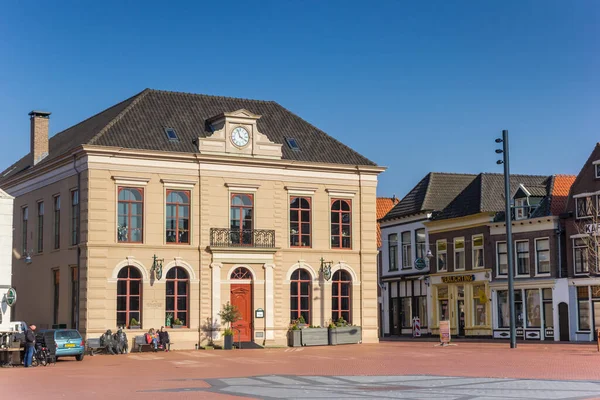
(165, 341)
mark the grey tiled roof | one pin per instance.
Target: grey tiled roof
(433, 193)
(139, 122)
(486, 194)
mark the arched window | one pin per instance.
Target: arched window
(178, 289)
(178, 216)
(341, 290)
(241, 273)
(129, 296)
(300, 289)
(341, 224)
(242, 206)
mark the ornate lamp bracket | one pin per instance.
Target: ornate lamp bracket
(157, 267)
(325, 269)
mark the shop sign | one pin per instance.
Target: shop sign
(445, 332)
(549, 333)
(458, 278)
(259, 313)
(420, 264)
(520, 332)
(591, 228)
(11, 297)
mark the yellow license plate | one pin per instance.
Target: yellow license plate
(70, 345)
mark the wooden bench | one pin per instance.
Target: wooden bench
(93, 346)
(140, 342)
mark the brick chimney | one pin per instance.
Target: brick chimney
(39, 135)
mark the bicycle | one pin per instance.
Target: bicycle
(40, 357)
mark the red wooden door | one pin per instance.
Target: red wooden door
(241, 297)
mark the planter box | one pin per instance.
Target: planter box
(176, 326)
(228, 344)
(295, 338)
(345, 335)
(314, 337)
(135, 327)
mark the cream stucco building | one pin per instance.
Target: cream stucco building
(238, 200)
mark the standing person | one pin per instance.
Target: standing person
(164, 338)
(29, 345)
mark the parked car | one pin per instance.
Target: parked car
(69, 342)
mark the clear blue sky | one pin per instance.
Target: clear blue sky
(414, 87)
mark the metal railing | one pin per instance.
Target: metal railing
(259, 238)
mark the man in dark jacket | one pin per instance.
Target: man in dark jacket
(165, 341)
(29, 345)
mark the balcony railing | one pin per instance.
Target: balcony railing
(259, 238)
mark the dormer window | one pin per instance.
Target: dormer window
(521, 208)
(597, 171)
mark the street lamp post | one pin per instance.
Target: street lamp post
(509, 241)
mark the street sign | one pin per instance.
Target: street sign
(259, 313)
(11, 297)
(445, 332)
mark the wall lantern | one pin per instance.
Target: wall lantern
(326, 269)
(157, 267)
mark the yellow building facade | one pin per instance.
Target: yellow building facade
(139, 227)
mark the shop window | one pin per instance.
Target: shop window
(442, 252)
(131, 215)
(406, 250)
(479, 305)
(420, 239)
(519, 308)
(459, 254)
(40, 232)
(542, 256)
(177, 296)
(300, 290)
(341, 224)
(580, 255)
(405, 312)
(56, 283)
(443, 310)
(503, 309)
(421, 306)
(478, 251)
(129, 296)
(178, 216)
(583, 308)
(56, 222)
(393, 251)
(548, 309)
(522, 257)
(534, 312)
(341, 295)
(300, 221)
(502, 259)
(241, 219)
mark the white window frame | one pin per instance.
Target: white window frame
(457, 250)
(474, 248)
(587, 258)
(597, 169)
(409, 258)
(577, 199)
(437, 255)
(520, 208)
(498, 258)
(537, 269)
(516, 259)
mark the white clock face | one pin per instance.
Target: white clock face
(240, 136)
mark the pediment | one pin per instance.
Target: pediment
(241, 113)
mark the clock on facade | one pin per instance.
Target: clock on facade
(240, 137)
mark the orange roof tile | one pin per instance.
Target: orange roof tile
(384, 205)
(560, 193)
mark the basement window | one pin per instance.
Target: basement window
(291, 142)
(171, 134)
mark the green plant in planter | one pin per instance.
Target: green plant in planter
(228, 332)
(301, 320)
(177, 322)
(341, 322)
(134, 322)
(229, 314)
